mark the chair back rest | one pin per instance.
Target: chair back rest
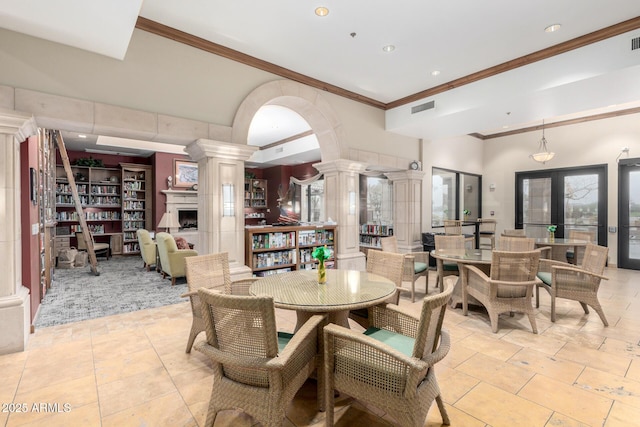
(81, 243)
(516, 244)
(386, 264)
(209, 271)
(143, 237)
(241, 326)
(589, 236)
(166, 244)
(432, 314)
(514, 233)
(452, 227)
(514, 266)
(595, 258)
(449, 242)
(487, 225)
(389, 244)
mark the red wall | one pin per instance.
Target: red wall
(29, 215)
(163, 168)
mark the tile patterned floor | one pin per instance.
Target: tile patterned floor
(131, 370)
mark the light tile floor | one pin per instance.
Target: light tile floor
(131, 370)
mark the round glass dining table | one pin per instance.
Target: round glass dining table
(559, 247)
(345, 290)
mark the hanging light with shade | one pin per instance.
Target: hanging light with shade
(543, 155)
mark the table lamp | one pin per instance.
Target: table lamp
(168, 221)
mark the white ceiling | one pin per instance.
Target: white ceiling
(344, 49)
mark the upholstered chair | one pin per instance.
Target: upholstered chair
(172, 258)
(100, 249)
(147, 248)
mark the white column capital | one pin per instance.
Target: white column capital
(21, 125)
(340, 165)
(408, 175)
(203, 148)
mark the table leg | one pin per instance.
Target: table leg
(456, 296)
(340, 318)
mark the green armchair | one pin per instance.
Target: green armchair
(147, 248)
(172, 258)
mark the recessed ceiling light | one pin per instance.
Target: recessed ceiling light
(552, 28)
(388, 48)
(81, 135)
(322, 11)
(435, 73)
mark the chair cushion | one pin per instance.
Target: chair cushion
(399, 342)
(545, 277)
(450, 266)
(283, 340)
(570, 254)
(419, 267)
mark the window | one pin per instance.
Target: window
(571, 198)
(453, 192)
(311, 206)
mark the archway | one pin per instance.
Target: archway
(303, 100)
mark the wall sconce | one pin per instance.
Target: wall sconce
(352, 202)
(228, 204)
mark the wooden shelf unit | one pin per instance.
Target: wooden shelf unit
(272, 250)
(137, 204)
(370, 235)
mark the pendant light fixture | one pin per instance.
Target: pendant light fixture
(543, 155)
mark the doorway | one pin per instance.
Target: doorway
(570, 198)
(629, 214)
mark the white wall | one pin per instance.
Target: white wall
(591, 143)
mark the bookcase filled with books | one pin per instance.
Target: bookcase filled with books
(273, 250)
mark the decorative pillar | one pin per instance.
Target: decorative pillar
(15, 311)
(220, 216)
(407, 203)
(341, 198)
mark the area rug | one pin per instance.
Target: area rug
(122, 286)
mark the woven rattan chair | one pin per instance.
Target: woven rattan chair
(452, 227)
(444, 269)
(209, 271)
(514, 233)
(509, 288)
(564, 280)
(515, 244)
(385, 264)
(416, 264)
(391, 365)
(255, 368)
(589, 236)
(487, 230)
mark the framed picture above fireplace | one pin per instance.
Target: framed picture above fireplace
(185, 173)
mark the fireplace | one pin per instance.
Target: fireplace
(188, 219)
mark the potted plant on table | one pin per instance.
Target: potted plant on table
(466, 213)
(552, 232)
(321, 253)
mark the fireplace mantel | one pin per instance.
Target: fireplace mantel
(180, 200)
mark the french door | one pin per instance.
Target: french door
(629, 214)
(571, 198)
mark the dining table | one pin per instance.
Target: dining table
(344, 290)
(480, 258)
(559, 246)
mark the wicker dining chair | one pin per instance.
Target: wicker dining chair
(209, 271)
(385, 264)
(508, 289)
(516, 232)
(589, 236)
(452, 227)
(416, 264)
(443, 268)
(564, 280)
(487, 230)
(515, 244)
(255, 368)
(391, 365)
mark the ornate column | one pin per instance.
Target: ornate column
(220, 216)
(15, 312)
(407, 203)
(341, 198)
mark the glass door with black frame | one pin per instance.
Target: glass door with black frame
(629, 214)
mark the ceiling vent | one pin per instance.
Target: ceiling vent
(635, 43)
(422, 107)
